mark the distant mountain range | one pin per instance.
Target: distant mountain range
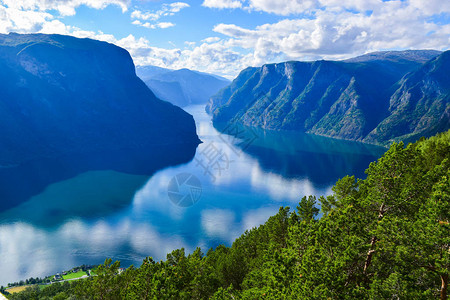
(181, 87)
(375, 98)
(63, 95)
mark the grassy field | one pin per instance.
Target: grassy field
(74, 275)
(17, 289)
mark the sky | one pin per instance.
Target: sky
(224, 37)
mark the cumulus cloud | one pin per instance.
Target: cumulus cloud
(12, 19)
(153, 26)
(64, 7)
(165, 24)
(137, 14)
(431, 7)
(297, 7)
(211, 39)
(166, 10)
(234, 30)
(32, 16)
(307, 30)
(221, 4)
(216, 57)
(175, 7)
(334, 32)
(329, 34)
(282, 7)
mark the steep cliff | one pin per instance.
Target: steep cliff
(420, 106)
(62, 95)
(341, 99)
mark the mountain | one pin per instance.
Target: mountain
(421, 104)
(181, 87)
(357, 99)
(421, 56)
(147, 72)
(62, 95)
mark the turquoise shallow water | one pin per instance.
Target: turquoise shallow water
(232, 184)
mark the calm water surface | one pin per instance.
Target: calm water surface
(86, 214)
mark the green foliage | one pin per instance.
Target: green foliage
(307, 210)
(385, 237)
(65, 290)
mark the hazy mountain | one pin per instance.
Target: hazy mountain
(342, 99)
(181, 87)
(421, 56)
(62, 95)
(148, 72)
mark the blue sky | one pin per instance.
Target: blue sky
(226, 36)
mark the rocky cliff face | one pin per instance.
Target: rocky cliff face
(420, 106)
(342, 99)
(62, 95)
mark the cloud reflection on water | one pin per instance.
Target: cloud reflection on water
(100, 214)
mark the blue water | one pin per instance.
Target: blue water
(82, 215)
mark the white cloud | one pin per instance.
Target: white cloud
(31, 16)
(280, 7)
(314, 29)
(431, 7)
(233, 30)
(54, 26)
(12, 19)
(64, 7)
(298, 7)
(221, 4)
(162, 25)
(213, 57)
(165, 24)
(329, 34)
(176, 7)
(339, 5)
(211, 39)
(137, 14)
(283, 7)
(166, 10)
(333, 33)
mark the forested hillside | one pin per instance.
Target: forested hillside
(384, 237)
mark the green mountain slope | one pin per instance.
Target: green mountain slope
(420, 106)
(345, 99)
